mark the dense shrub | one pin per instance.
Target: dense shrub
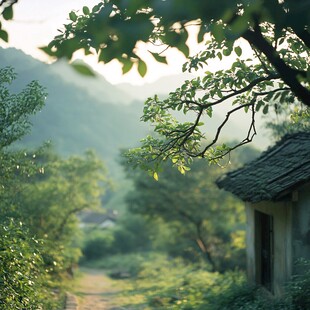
(236, 294)
(131, 263)
(130, 235)
(161, 282)
(299, 288)
(98, 244)
(22, 270)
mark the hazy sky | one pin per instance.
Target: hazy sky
(36, 22)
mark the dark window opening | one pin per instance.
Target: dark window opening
(264, 249)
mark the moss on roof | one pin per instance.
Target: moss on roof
(280, 169)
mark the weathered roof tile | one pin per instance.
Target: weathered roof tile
(279, 169)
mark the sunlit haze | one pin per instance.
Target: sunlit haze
(36, 22)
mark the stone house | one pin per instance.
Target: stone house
(276, 191)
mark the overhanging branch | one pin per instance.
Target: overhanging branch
(250, 135)
(287, 74)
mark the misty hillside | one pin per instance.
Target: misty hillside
(73, 119)
(161, 87)
(96, 87)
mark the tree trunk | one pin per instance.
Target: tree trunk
(204, 248)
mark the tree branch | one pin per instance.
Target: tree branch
(248, 138)
(242, 90)
(288, 75)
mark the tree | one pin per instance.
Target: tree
(22, 270)
(276, 72)
(40, 196)
(205, 219)
(50, 199)
(288, 120)
(15, 109)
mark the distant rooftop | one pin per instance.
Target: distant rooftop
(280, 169)
(91, 217)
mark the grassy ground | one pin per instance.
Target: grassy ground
(95, 290)
(154, 282)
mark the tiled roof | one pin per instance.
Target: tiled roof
(278, 170)
(91, 217)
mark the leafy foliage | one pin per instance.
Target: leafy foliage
(23, 274)
(43, 193)
(289, 120)
(239, 295)
(203, 221)
(15, 109)
(276, 71)
(131, 234)
(163, 283)
(6, 8)
(51, 198)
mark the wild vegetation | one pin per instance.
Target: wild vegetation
(160, 282)
(40, 197)
(180, 243)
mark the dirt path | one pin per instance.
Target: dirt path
(95, 291)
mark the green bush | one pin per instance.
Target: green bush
(98, 244)
(299, 288)
(233, 293)
(22, 272)
(130, 235)
(131, 263)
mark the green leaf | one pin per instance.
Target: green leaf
(155, 176)
(8, 13)
(4, 35)
(97, 7)
(184, 49)
(178, 40)
(240, 24)
(127, 65)
(175, 160)
(238, 50)
(200, 36)
(259, 104)
(218, 32)
(265, 109)
(73, 16)
(181, 169)
(142, 67)
(226, 52)
(159, 58)
(47, 50)
(83, 69)
(86, 10)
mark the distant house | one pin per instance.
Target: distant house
(276, 189)
(91, 219)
